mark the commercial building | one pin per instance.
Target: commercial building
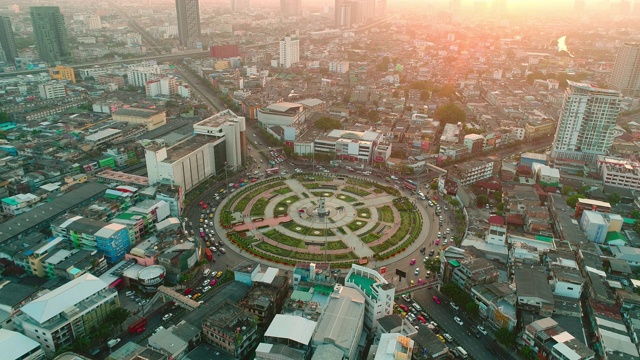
(550, 341)
(353, 145)
(471, 171)
(282, 114)
(228, 127)
(20, 203)
(167, 85)
(52, 90)
(111, 239)
(8, 51)
(625, 76)
(225, 51)
(287, 334)
(232, 329)
(619, 172)
(597, 225)
(93, 22)
(590, 204)
(377, 291)
(539, 128)
(103, 137)
(342, 321)
(139, 76)
(587, 121)
(340, 67)
(33, 221)
(62, 73)
(392, 346)
(291, 8)
(50, 33)
(71, 311)
(150, 118)
(188, 12)
(289, 51)
(15, 346)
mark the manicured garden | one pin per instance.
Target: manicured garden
(307, 231)
(364, 213)
(283, 206)
(361, 183)
(385, 214)
(345, 197)
(283, 239)
(356, 191)
(258, 207)
(356, 225)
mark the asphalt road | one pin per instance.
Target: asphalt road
(443, 314)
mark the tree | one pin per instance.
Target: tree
(450, 114)
(448, 91)
(327, 123)
(506, 337)
(425, 95)
(497, 196)
(433, 264)
(4, 117)
(482, 200)
(567, 190)
(614, 199)
(118, 315)
(434, 186)
(398, 154)
(472, 308)
(573, 199)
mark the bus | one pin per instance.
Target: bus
(137, 325)
(272, 171)
(208, 253)
(408, 184)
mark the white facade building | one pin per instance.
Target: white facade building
(14, 345)
(93, 22)
(340, 67)
(231, 128)
(472, 171)
(58, 317)
(377, 291)
(17, 204)
(139, 76)
(350, 145)
(282, 114)
(619, 172)
(587, 122)
(52, 90)
(625, 75)
(289, 51)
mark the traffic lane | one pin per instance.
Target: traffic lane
(443, 314)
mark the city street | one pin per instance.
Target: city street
(443, 314)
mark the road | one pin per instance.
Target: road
(200, 88)
(443, 315)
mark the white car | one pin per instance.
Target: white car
(206, 288)
(458, 320)
(393, 177)
(406, 297)
(454, 306)
(167, 317)
(482, 329)
(417, 271)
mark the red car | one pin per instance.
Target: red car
(413, 261)
(422, 320)
(254, 180)
(404, 307)
(188, 291)
(335, 169)
(437, 241)
(213, 282)
(436, 299)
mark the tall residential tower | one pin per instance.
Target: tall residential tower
(587, 120)
(625, 76)
(289, 51)
(8, 51)
(188, 12)
(291, 7)
(50, 34)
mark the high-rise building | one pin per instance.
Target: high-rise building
(188, 22)
(289, 51)
(353, 12)
(7, 41)
(625, 76)
(50, 32)
(291, 7)
(343, 15)
(587, 121)
(240, 5)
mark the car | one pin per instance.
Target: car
(482, 329)
(158, 329)
(129, 293)
(422, 320)
(412, 282)
(411, 317)
(213, 282)
(448, 231)
(188, 291)
(167, 316)
(413, 261)
(454, 306)
(439, 234)
(393, 177)
(219, 274)
(196, 296)
(204, 283)
(458, 320)
(431, 253)
(437, 241)
(213, 249)
(404, 307)
(417, 271)
(406, 297)
(206, 288)
(436, 299)
(222, 250)
(447, 337)
(420, 281)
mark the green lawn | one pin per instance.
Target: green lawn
(356, 225)
(283, 206)
(258, 207)
(282, 191)
(362, 183)
(369, 238)
(311, 186)
(356, 190)
(266, 247)
(345, 197)
(364, 213)
(304, 230)
(385, 214)
(336, 245)
(284, 239)
(324, 194)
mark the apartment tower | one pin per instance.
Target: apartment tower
(289, 51)
(587, 120)
(188, 12)
(625, 76)
(8, 51)
(50, 32)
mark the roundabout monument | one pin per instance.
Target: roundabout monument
(321, 218)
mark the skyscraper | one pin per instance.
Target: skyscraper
(188, 12)
(587, 120)
(291, 7)
(50, 34)
(289, 51)
(625, 76)
(7, 41)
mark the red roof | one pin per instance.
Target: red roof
(496, 220)
(515, 219)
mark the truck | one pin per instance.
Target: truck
(208, 253)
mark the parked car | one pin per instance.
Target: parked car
(406, 297)
(458, 320)
(167, 316)
(482, 329)
(436, 299)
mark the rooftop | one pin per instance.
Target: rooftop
(138, 112)
(184, 148)
(341, 318)
(533, 283)
(219, 119)
(14, 345)
(291, 327)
